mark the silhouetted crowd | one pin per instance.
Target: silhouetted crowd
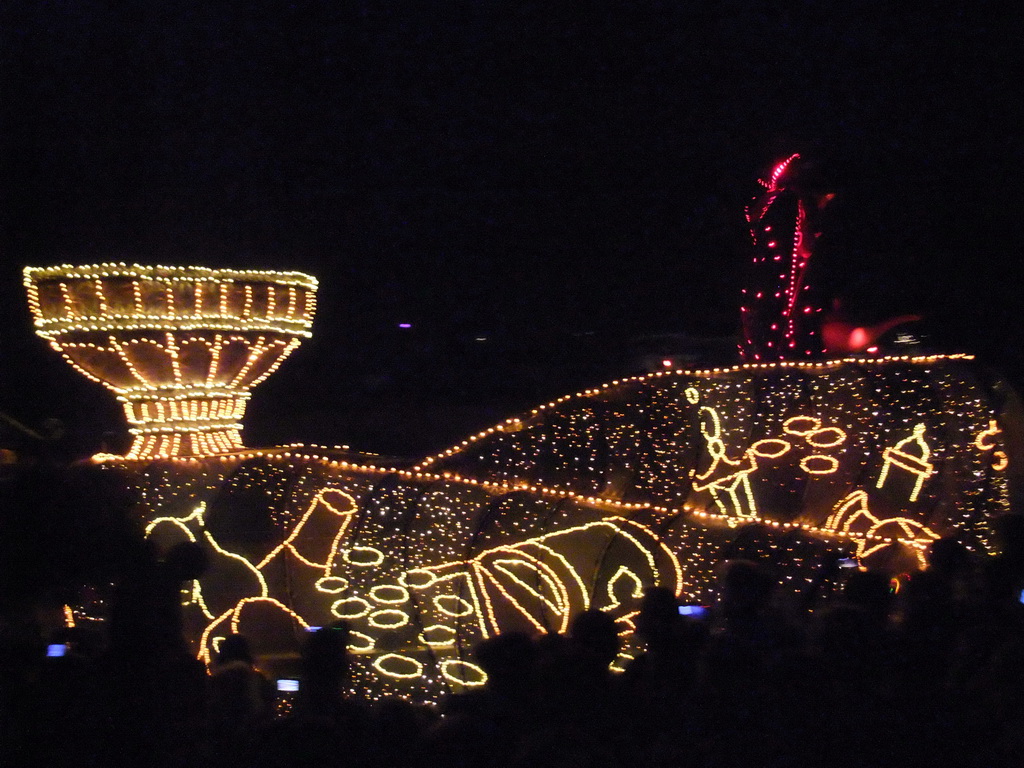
(925, 671)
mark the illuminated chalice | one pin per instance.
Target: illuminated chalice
(180, 346)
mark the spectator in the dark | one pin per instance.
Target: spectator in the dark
(1004, 573)
(239, 692)
(851, 683)
(595, 643)
(745, 590)
(508, 660)
(398, 733)
(580, 707)
(981, 671)
(150, 688)
(488, 725)
(326, 727)
(746, 633)
(659, 682)
(872, 592)
(672, 643)
(239, 703)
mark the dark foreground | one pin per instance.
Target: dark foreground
(864, 674)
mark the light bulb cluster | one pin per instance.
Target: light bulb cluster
(516, 424)
(181, 346)
(508, 531)
(129, 297)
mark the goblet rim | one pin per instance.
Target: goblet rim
(106, 270)
(224, 319)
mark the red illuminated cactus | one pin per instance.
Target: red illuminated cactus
(779, 320)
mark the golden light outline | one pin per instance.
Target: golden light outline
(152, 366)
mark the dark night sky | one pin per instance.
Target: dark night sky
(510, 170)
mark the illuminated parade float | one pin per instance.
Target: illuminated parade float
(580, 503)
